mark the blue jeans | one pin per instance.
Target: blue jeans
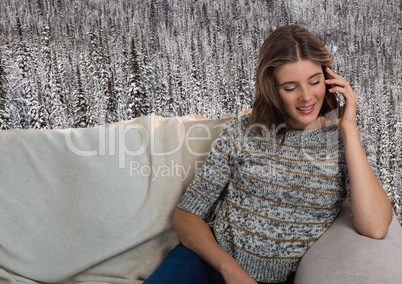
(183, 266)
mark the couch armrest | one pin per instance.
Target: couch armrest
(342, 256)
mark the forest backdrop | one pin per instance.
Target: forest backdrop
(82, 63)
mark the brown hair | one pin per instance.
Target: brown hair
(286, 44)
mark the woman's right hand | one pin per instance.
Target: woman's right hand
(237, 275)
(195, 234)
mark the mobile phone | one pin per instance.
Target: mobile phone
(335, 101)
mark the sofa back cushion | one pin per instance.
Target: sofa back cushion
(95, 204)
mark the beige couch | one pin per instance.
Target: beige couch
(94, 206)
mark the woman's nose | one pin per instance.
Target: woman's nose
(305, 94)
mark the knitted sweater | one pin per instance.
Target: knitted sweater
(276, 198)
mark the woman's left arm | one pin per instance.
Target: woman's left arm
(371, 208)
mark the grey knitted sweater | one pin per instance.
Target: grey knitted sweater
(270, 200)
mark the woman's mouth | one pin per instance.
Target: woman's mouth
(306, 109)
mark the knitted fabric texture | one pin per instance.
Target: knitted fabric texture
(271, 199)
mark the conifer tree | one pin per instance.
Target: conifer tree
(91, 79)
(143, 100)
(241, 88)
(3, 93)
(37, 115)
(153, 26)
(19, 28)
(3, 82)
(80, 102)
(46, 64)
(121, 86)
(170, 103)
(24, 90)
(180, 95)
(112, 102)
(138, 103)
(198, 106)
(58, 115)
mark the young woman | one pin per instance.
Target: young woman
(276, 178)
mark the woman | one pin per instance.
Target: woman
(275, 179)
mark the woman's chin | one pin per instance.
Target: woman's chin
(307, 123)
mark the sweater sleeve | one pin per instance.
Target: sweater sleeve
(210, 181)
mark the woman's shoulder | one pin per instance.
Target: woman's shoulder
(238, 123)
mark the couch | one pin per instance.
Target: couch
(94, 205)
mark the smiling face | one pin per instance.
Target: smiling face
(301, 89)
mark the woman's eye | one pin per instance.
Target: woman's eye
(315, 82)
(289, 89)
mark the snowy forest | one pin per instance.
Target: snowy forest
(82, 63)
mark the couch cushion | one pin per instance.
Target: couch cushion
(95, 204)
(342, 256)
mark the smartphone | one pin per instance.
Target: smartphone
(335, 101)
